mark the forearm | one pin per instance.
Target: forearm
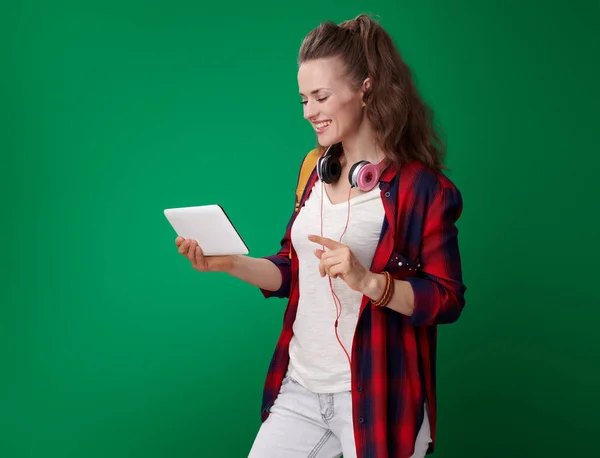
(402, 300)
(258, 272)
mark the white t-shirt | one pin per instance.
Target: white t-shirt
(317, 361)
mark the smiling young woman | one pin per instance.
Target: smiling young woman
(370, 262)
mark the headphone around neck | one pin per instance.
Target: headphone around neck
(362, 175)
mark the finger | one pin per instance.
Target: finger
(332, 257)
(327, 254)
(198, 257)
(326, 242)
(336, 271)
(179, 240)
(321, 255)
(329, 263)
(199, 253)
(183, 248)
(192, 250)
(323, 267)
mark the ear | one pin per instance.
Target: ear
(366, 87)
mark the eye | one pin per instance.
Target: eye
(319, 99)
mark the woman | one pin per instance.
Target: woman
(370, 263)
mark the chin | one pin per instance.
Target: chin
(327, 140)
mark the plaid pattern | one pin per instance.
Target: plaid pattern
(393, 356)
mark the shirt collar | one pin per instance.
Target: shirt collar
(389, 173)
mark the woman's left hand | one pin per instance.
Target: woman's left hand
(339, 261)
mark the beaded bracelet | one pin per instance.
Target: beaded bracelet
(388, 291)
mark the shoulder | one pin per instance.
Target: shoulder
(309, 159)
(308, 163)
(425, 180)
(426, 187)
(312, 156)
(305, 172)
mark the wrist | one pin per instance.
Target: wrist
(374, 286)
(233, 264)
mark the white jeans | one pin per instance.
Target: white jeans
(303, 424)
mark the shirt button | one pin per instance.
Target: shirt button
(361, 420)
(360, 388)
(387, 194)
(357, 348)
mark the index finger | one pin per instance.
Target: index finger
(326, 242)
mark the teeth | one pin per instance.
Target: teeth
(320, 125)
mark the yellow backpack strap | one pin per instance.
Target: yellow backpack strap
(308, 165)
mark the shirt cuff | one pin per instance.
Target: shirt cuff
(425, 300)
(284, 266)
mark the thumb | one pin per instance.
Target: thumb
(319, 253)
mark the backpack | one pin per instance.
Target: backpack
(308, 165)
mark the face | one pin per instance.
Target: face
(332, 106)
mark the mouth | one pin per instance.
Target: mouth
(321, 126)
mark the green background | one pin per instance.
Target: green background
(112, 346)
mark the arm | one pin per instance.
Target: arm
(403, 299)
(436, 294)
(259, 272)
(256, 271)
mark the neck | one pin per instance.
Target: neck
(362, 146)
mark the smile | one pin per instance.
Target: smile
(321, 126)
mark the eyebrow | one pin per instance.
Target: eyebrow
(316, 90)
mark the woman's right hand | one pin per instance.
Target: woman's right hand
(191, 250)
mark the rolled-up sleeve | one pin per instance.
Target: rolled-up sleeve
(284, 265)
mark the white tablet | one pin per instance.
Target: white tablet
(210, 226)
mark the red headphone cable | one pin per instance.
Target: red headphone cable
(336, 299)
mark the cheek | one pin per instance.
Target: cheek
(348, 114)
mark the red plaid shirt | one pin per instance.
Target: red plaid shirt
(393, 355)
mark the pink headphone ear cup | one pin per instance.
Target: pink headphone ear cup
(365, 175)
(368, 177)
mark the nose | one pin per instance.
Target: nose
(309, 110)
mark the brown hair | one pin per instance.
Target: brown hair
(402, 120)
